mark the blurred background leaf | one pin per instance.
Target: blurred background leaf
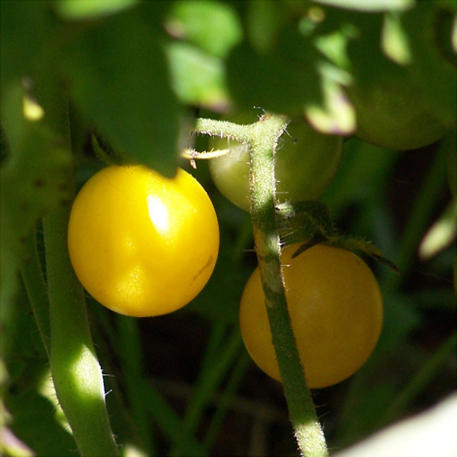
(197, 77)
(120, 82)
(87, 9)
(26, 29)
(435, 72)
(371, 6)
(212, 26)
(281, 81)
(35, 179)
(441, 234)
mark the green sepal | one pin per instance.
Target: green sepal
(307, 220)
(363, 246)
(317, 238)
(309, 223)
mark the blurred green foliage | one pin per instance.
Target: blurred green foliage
(136, 74)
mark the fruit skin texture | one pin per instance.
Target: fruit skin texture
(303, 168)
(335, 307)
(142, 244)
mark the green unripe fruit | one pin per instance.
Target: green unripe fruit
(305, 163)
(390, 115)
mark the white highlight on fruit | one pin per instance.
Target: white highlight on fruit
(158, 213)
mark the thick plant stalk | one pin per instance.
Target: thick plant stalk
(75, 370)
(74, 366)
(308, 431)
(262, 137)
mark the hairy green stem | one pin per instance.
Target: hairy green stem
(262, 138)
(308, 431)
(75, 369)
(224, 129)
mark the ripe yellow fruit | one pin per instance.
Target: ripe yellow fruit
(335, 307)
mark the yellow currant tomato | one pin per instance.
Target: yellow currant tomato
(142, 244)
(335, 307)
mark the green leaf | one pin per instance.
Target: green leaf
(335, 115)
(368, 5)
(394, 40)
(441, 234)
(435, 75)
(87, 9)
(444, 229)
(34, 421)
(281, 81)
(212, 26)
(263, 23)
(295, 75)
(333, 44)
(366, 247)
(26, 28)
(34, 180)
(120, 82)
(197, 77)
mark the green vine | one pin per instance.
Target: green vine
(75, 369)
(262, 137)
